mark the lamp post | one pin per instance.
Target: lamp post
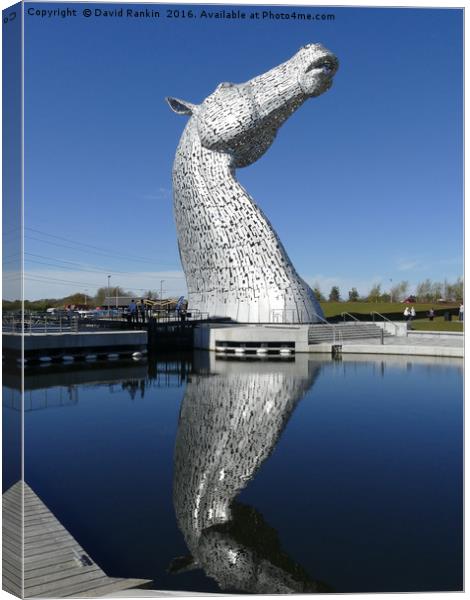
(161, 289)
(109, 295)
(86, 298)
(391, 291)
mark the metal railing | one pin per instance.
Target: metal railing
(344, 314)
(38, 323)
(386, 319)
(41, 323)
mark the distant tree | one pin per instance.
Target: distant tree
(77, 299)
(151, 294)
(424, 291)
(353, 295)
(39, 305)
(334, 294)
(375, 293)
(399, 291)
(446, 289)
(456, 290)
(102, 293)
(317, 293)
(11, 305)
(437, 290)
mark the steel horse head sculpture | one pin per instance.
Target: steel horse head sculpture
(234, 262)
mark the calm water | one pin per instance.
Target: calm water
(205, 474)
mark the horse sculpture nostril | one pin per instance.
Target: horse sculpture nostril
(326, 65)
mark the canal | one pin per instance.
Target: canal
(300, 474)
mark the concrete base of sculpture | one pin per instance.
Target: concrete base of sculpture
(259, 340)
(289, 341)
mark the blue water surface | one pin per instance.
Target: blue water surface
(350, 471)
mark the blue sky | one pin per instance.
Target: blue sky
(363, 184)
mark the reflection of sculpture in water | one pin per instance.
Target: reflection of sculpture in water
(230, 422)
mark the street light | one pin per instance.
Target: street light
(86, 297)
(161, 289)
(109, 294)
(391, 291)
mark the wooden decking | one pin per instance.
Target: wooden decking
(12, 549)
(55, 565)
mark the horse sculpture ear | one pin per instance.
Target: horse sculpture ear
(181, 107)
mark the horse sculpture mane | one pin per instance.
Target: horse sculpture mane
(234, 263)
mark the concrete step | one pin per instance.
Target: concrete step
(343, 331)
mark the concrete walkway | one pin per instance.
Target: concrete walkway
(416, 343)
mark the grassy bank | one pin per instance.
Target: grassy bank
(437, 325)
(394, 311)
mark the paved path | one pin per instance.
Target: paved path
(415, 344)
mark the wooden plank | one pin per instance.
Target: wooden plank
(63, 589)
(14, 570)
(37, 516)
(43, 584)
(116, 586)
(12, 534)
(33, 546)
(15, 492)
(47, 561)
(37, 511)
(12, 545)
(12, 556)
(11, 577)
(13, 525)
(13, 510)
(13, 507)
(14, 577)
(56, 574)
(11, 587)
(50, 549)
(45, 534)
(51, 555)
(51, 569)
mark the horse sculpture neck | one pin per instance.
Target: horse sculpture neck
(235, 265)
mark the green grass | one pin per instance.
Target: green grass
(332, 309)
(437, 325)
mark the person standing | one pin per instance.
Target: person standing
(142, 311)
(133, 311)
(461, 312)
(412, 313)
(431, 314)
(406, 314)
